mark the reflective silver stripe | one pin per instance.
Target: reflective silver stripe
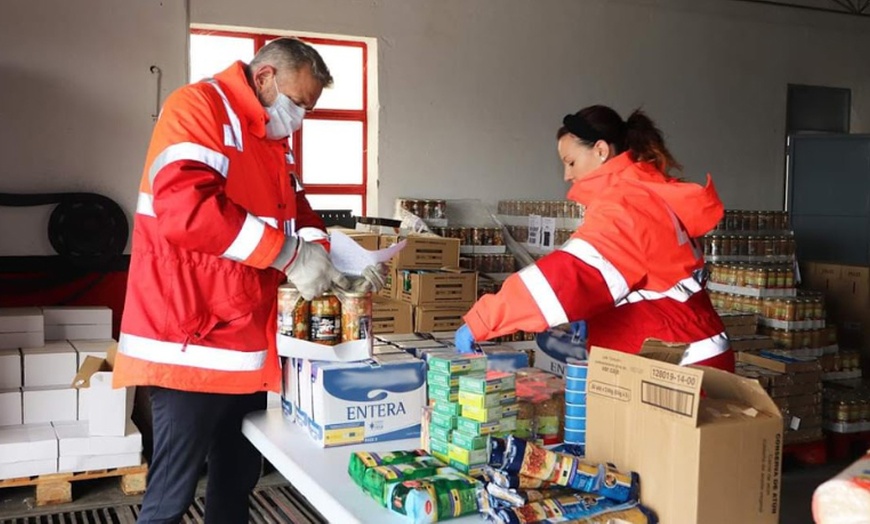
(543, 295)
(612, 277)
(145, 205)
(189, 151)
(247, 240)
(683, 291)
(202, 357)
(312, 234)
(705, 349)
(270, 221)
(234, 119)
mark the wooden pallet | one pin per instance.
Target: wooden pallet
(808, 453)
(843, 446)
(57, 487)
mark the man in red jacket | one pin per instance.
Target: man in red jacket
(633, 270)
(220, 223)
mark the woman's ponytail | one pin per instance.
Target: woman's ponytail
(646, 144)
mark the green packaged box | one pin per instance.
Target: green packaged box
(377, 480)
(473, 427)
(457, 364)
(439, 433)
(445, 421)
(360, 461)
(468, 457)
(447, 408)
(482, 400)
(473, 470)
(448, 495)
(440, 449)
(468, 441)
(492, 382)
(440, 379)
(490, 414)
(442, 394)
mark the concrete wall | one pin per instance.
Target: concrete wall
(76, 99)
(471, 91)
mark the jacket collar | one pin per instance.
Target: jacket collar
(243, 99)
(618, 168)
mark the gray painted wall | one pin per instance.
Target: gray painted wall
(471, 91)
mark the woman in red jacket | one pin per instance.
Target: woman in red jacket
(633, 270)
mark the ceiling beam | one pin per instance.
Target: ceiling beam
(839, 7)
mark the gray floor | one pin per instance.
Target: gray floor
(798, 486)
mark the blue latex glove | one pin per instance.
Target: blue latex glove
(464, 340)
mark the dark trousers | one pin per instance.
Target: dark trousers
(188, 429)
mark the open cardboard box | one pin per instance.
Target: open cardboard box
(108, 409)
(711, 457)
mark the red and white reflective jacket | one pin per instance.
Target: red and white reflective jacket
(632, 270)
(216, 203)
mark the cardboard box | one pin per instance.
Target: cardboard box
(51, 365)
(422, 252)
(21, 320)
(714, 460)
(76, 331)
(391, 316)
(369, 241)
(780, 363)
(22, 340)
(30, 468)
(847, 299)
(801, 401)
(109, 409)
(356, 402)
(74, 439)
(75, 463)
(751, 343)
(11, 407)
(49, 403)
(455, 287)
(10, 368)
(92, 348)
(28, 443)
(438, 318)
(77, 315)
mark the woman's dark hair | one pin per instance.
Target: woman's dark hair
(638, 135)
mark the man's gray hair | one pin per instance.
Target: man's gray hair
(293, 54)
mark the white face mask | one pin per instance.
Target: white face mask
(285, 117)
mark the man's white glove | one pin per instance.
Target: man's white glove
(372, 280)
(311, 271)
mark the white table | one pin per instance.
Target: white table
(320, 474)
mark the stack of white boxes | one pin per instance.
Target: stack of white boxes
(46, 424)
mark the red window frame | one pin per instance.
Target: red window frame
(347, 115)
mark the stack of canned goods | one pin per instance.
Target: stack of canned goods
(544, 208)
(521, 234)
(472, 236)
(725, 245)
(801, 338)
(325, 320)
(425, 209)
(841, 361)
(739, 220)
(847, 405)
(490, 263)
(755, 276)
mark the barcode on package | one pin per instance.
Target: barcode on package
(534, 230)
(674, 400)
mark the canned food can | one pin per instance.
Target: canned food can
(326, 320)
(356, 316)
(441, 209)
(293, 313)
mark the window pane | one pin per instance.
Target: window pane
(332, 152)
(211, 54)
(336, 202)
(346, 65)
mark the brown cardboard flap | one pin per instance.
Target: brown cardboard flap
(663, 351)
(722, 385)
(456, 269)
(90, 366)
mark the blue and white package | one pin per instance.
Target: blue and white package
(575, 423)
(575, 437)
(575, 410)
(361, 402)
(577, 369)
(575, 384)
(575, 397)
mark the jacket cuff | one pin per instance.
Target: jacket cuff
(477, 326)
(287, 254)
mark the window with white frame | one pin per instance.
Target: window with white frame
(331, 147)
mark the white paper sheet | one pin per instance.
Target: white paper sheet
(351, 258)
